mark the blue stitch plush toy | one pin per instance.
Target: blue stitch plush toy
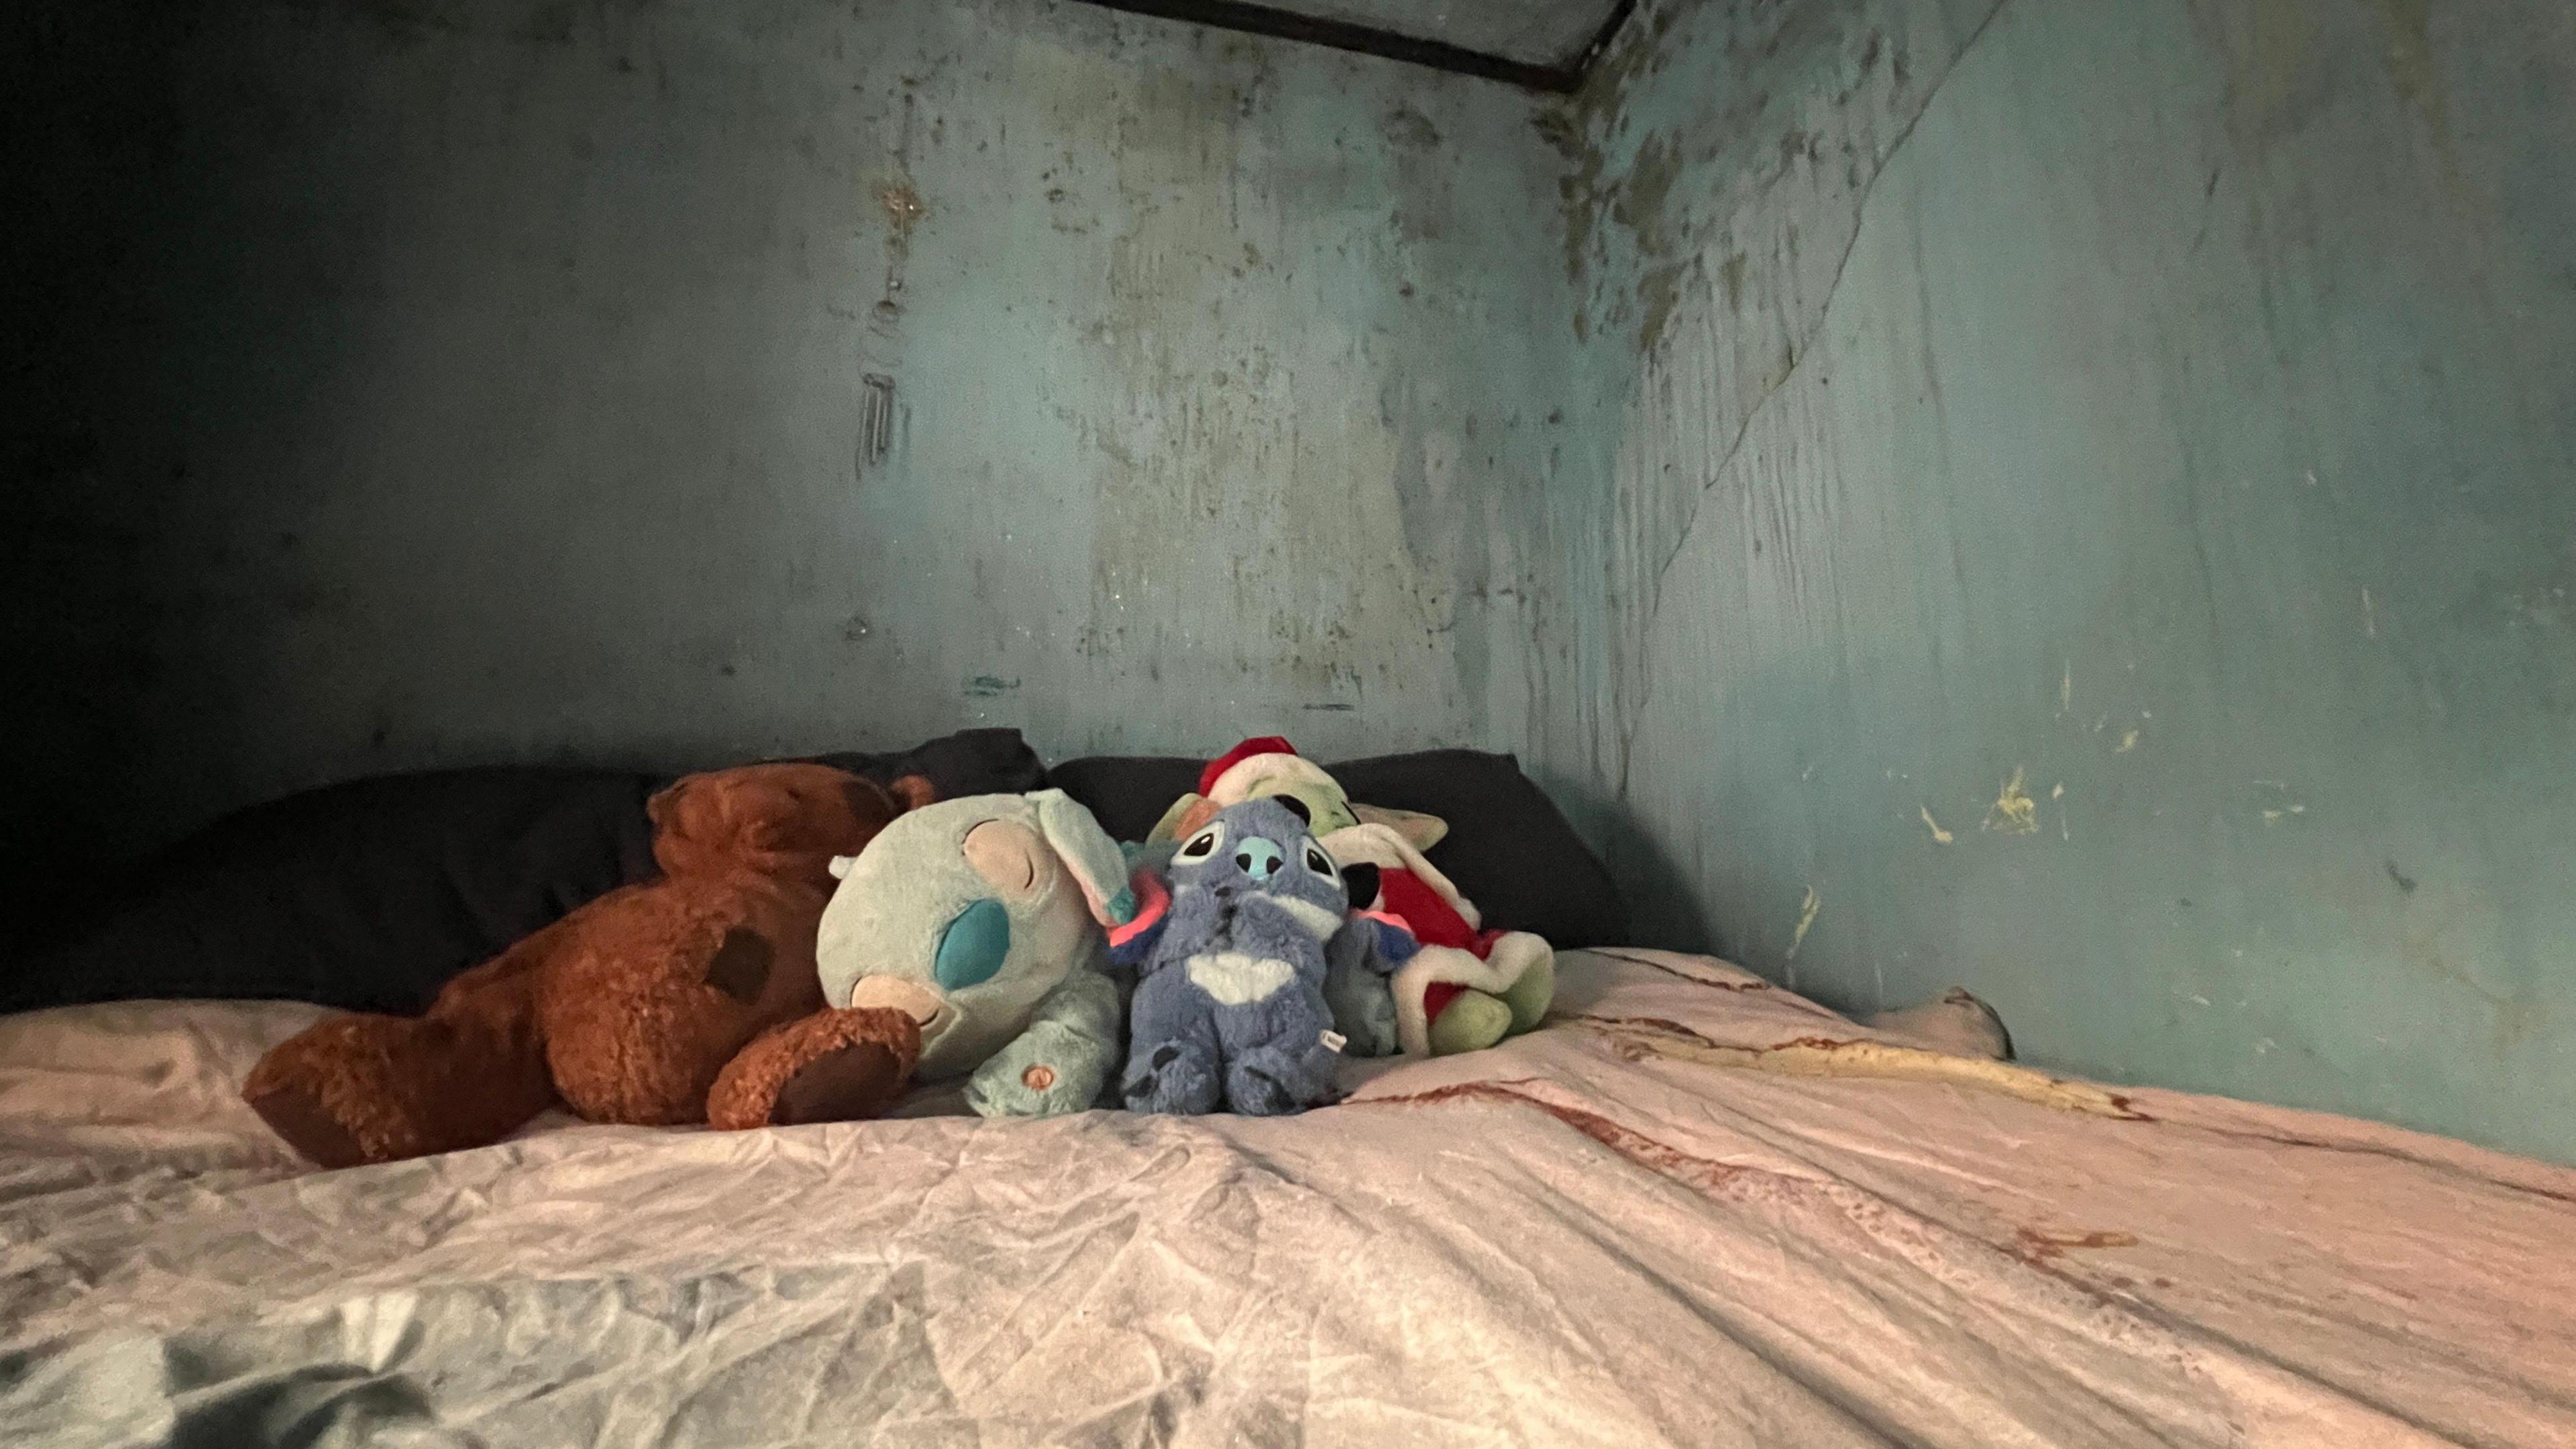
(1229, 1007)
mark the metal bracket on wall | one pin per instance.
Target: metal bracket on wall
(876, 419)
(1563, 77)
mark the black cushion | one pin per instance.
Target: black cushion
(371, 895)
(1127, 793)
(367, 895)
(1508, 849)
(969, 762)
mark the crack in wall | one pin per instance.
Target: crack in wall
(1800, 351)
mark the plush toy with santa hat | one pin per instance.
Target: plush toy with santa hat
(1441, 983)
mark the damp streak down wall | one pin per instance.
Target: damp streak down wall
(2084, 506)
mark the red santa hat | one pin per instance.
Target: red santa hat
(1230, 778)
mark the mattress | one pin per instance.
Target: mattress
(1694, 1209)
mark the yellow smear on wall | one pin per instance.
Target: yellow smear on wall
(2014, 812)
(1807, 910)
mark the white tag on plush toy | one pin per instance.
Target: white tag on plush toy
(841, 865)
(1334, 1041)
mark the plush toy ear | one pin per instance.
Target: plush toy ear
(1093, 858)
(1424, 831)
(1175, 821)
(915, 791)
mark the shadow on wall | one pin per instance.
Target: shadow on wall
(1663, 901)
(1663, 898)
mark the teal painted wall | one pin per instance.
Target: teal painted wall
(2084, 506)
(482, 380)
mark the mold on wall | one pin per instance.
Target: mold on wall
(2084, 498)
(491, 381)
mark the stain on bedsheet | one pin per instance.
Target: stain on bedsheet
(1785, 998)
(1704, 1174)
(2040, 1245)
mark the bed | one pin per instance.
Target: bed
(1694, 1209)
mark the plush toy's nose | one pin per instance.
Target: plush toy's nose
(1259, 858)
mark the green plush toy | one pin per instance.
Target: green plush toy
(983, 919)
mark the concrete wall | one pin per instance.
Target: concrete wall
(2086, 508)
(478, 380)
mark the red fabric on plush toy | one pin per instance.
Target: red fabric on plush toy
(1466, 988)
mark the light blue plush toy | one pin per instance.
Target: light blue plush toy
(1229, 1005)
(984, 919)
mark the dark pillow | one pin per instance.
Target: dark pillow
(969, 762)
(1508, 847)
(367, 895)
(371, 895)
(1127, 793)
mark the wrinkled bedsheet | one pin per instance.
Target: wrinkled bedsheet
(1695, 1209)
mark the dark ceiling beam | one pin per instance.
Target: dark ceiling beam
(1365, 40)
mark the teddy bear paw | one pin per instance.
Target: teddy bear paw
(298, 1117)
(836, 1066)
(842, 1085)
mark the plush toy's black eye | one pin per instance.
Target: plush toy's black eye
(1297, 808)
(1317, 861)
(1202, 844)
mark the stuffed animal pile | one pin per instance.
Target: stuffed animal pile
(817, 944)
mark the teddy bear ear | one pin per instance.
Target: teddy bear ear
(915, 791)
(1420, 830)
(665, 801)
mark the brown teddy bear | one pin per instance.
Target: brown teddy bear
(630, 1008)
